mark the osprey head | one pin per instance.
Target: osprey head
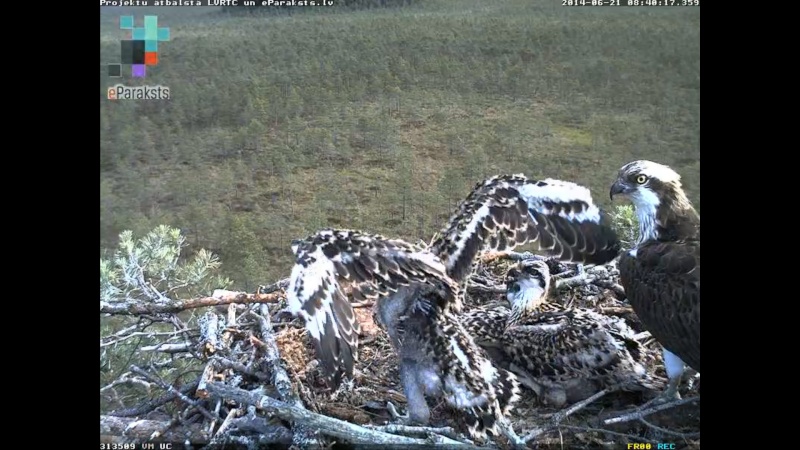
(645, 183)
(527, 285)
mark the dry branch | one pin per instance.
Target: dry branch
(279, 285)
(639, 414)
(407, 430)
(149, 334)
(172, 307)
(280, 379)
(114, 428)
(238, 367)
(118, 429)
(183, 347)
(153, 404)
(207, 377)
(563, 414)
(326, 425)
(209, 333)
(172, 389)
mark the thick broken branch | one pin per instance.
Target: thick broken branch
(326, 425)
(137, 308)
(208, 376)
(209, 333)
(280, 379)
(183, 347)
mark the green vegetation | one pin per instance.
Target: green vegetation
(383, 118)
(624, 220)
(146, 270)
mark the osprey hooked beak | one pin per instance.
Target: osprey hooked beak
(619, 188)
(527, 282)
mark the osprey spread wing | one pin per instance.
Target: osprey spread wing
(500, 213)
(372, 266)
(507, 211)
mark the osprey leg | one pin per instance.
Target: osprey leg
(418, 411)
(675, 368)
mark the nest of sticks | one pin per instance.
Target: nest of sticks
(260, 384)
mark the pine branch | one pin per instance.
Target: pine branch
(134, 308)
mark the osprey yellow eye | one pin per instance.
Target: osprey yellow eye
(641, 179)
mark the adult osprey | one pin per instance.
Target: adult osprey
(419, 289)
(661, 274)
(564, 354)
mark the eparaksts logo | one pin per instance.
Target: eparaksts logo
(122, 92)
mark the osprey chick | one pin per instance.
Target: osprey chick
(564, 354)
(419, 289)
(661, 274)
(416, 306)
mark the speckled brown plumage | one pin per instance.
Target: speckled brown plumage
(565, 353)
(418, 289)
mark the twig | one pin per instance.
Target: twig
(408, 430)
(636, 415)
(610, 432)
(183, 347)
(153, 404)
(576, 281)
(615, 287)
(616, 310)
(126, 330)
(473, 287)
(226, 363)
(216, 413)
(330, 426)
(226, 423)
(125, 378)
(670, 432)
(563, 414)
(149, 334)
(133, 308)
(277, 286)
(179, 394)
